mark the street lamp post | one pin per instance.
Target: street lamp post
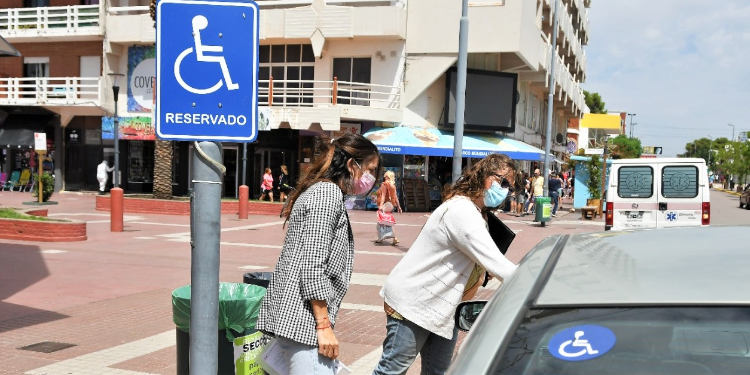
(116, 130)
(631, 123)
(116, 193)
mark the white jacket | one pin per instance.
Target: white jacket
(428, 283)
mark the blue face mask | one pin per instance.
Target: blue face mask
(495, 195)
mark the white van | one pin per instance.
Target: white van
(657, 193)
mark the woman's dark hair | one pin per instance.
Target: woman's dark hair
(331, 165)
(471, 182)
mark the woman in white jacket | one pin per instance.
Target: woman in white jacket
(444, 266)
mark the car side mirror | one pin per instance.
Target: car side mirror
(467, 313)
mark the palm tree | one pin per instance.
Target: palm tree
(162, 153)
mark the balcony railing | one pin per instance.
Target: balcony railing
(572, 38)
(308, 93)
(50, 91)
(569, 86)
(41, 21)
(144, 9)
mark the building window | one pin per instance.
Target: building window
(35, 3)
(288, 64)
(36, 67)
(352, 73)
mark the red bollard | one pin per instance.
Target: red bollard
(244, 193)
(115, 212)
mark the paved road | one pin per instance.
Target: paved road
(725, 210)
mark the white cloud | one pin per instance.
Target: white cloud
(682, 66)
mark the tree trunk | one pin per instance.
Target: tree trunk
(163, 170)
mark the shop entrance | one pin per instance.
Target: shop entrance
(230, 178)
(270, 158)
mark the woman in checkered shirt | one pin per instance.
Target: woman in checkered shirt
(315, 265)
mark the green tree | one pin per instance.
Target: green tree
(703, 147)
(624, 147)
(594, 102)
(594, 184)
(733, 159)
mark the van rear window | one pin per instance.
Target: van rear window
(679, 182)
(635, 182)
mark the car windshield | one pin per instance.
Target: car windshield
(632, 341)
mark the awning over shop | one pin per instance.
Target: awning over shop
(434, 142)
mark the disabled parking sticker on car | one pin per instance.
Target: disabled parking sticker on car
(582, 342)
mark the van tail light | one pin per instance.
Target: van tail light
(706, 213)
(609, 215)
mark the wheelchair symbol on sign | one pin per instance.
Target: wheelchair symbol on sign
(579, 343)
(199, 23)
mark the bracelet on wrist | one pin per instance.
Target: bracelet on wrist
(323, 327)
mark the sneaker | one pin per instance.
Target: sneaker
(553, 215)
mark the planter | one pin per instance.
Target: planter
(182, 207)
(44, 231)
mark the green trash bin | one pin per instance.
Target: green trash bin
(543, 209)
(239, 342)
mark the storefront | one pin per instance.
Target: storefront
(422, 159)
(17, 128)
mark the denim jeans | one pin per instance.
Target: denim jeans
(305, 360)
(404, 340)
(555, 200)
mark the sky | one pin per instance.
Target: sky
(682, 66)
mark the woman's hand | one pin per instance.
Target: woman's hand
(328, 345)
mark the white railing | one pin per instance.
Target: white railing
(570, 87)
(50, 91)
(565, 23)
(40, 21)
(308, 93)
(144, 9)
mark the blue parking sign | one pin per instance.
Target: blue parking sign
(206, 70)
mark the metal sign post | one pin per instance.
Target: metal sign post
(206, 74)
(40, 146)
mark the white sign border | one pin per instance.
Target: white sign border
(157, 113)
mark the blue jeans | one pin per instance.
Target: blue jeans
(404, 340)
(555, 200)
(305, 360)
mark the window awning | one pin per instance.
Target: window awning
(435, 142)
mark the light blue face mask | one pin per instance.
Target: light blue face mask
(495, 195)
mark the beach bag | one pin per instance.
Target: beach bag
(385, 216)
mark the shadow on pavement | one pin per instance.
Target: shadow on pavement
(20, 267)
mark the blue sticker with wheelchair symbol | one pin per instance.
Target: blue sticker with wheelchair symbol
(581, 343)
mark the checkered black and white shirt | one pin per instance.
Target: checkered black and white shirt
(315, 264)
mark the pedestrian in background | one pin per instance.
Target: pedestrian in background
(284, 184)
(555, 186)
(315, 266)
(520, 194)
(266, 185)
(387, 194)
(445, 265)
(102, 175)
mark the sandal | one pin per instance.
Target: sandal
(395, 241)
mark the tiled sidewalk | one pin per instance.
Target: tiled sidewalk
(110, 296)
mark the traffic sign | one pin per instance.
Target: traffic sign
(206, 70)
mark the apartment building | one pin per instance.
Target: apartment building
(53, 87)
(374, 67)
